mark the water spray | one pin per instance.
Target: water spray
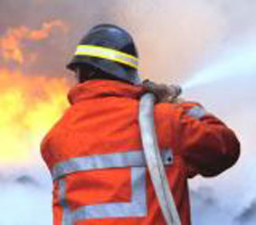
(232, 64)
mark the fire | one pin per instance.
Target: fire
(30, 104)
(11, 47)
(29, 107)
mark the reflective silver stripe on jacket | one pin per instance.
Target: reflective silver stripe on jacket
(66, 219)
(197, 112)
(137, 207)
(96, 162)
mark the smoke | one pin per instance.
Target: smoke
(248, 216)
(206, 210)
(207, 46)
(173, 37)
(25, 199)
(11, 42)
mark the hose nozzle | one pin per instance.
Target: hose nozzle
(163, 92)
(176, 90)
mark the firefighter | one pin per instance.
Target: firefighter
(95, 152)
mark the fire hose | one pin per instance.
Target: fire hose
(154, 161)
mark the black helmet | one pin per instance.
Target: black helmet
(110, 49)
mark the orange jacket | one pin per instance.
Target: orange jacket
(95, 155)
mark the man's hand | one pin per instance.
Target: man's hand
(163, 92)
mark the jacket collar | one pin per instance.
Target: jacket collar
(100, 88)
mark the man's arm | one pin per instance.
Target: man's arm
(206, 144)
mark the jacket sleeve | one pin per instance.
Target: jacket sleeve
(207, 145)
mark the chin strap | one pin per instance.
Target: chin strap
(154, 161)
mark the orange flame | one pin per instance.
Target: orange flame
(29, 104)
(11, 43)
(29, 107)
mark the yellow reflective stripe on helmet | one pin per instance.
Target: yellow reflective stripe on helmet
(107, 53)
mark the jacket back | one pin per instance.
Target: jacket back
(96, 159)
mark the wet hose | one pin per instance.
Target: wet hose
(154, 161)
